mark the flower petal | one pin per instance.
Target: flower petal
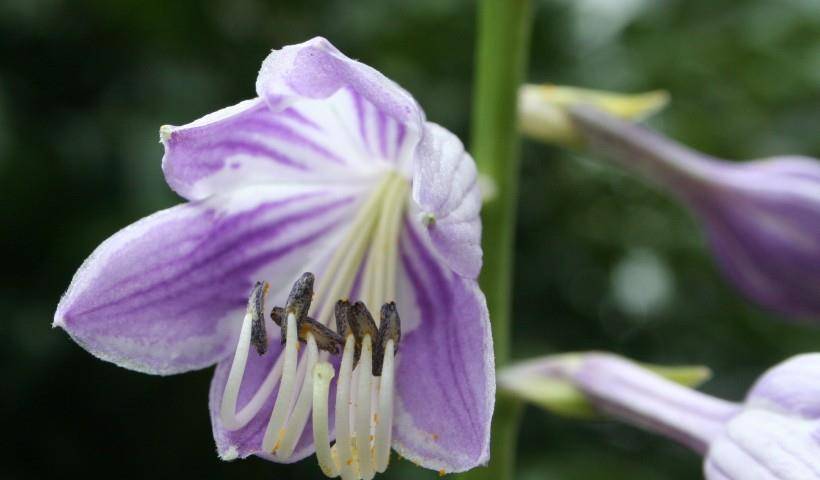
(792, 386)
(166, 294)
(246, 144)
(320, 117)
(765, 445)
(446, 189)
(446, 379)
(316, 69)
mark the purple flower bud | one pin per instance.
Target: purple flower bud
(762, 217)
(773, 435)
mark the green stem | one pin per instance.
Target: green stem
(503, 40)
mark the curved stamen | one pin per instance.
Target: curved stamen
(284, 399)
(343, 446)
(252, 332)
(384, 425)
(298, 418)
(231, 393)
(322, 375)
(363, 409)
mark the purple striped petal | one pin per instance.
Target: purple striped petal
(445, 187)
(445, 379)
(166, 294)
(316, 70)
(248, 144)
(320, 118)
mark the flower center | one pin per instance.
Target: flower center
(365, 385)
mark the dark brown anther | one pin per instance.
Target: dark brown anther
(278, 316)
(389, 329)
(361, 324)
(300, 296)
(341, 311)
(256, 309)
(326, 339)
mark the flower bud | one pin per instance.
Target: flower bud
(774, 434)
(762, 217)
(542, 109)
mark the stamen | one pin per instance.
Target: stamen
(300, 296)
(325, 338)
(389, 338)
(279, 318)
(322, 375)
(255, 311)
(379, 281)
(298, 418)
(284, 399)
(389, 329)
(363, 408)
(362, 324)
(259, 338)
(365, 385)
(343, 266)
(343, 436)
(384, 425)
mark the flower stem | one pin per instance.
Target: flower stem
(501, 60)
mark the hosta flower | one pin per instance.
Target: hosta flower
(762, 217)
(774, 434)
(331, 170)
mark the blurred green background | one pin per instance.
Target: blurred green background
(603, 262)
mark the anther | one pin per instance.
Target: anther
(389, 329)
(362, 325)
(256, 309)
(341, 311)
(278, 316)
(326, 339)
(300, 296)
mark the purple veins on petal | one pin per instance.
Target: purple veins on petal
(156, 296)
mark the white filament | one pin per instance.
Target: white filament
(322, 375)
(348, 257)
(284, 399)
(363, 409)
(299, 417)
(231, 393)
(232, 420)
(384, 420)
(343, 436)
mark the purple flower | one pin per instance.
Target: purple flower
(762, 217)
(774, 434)
(334, 170)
